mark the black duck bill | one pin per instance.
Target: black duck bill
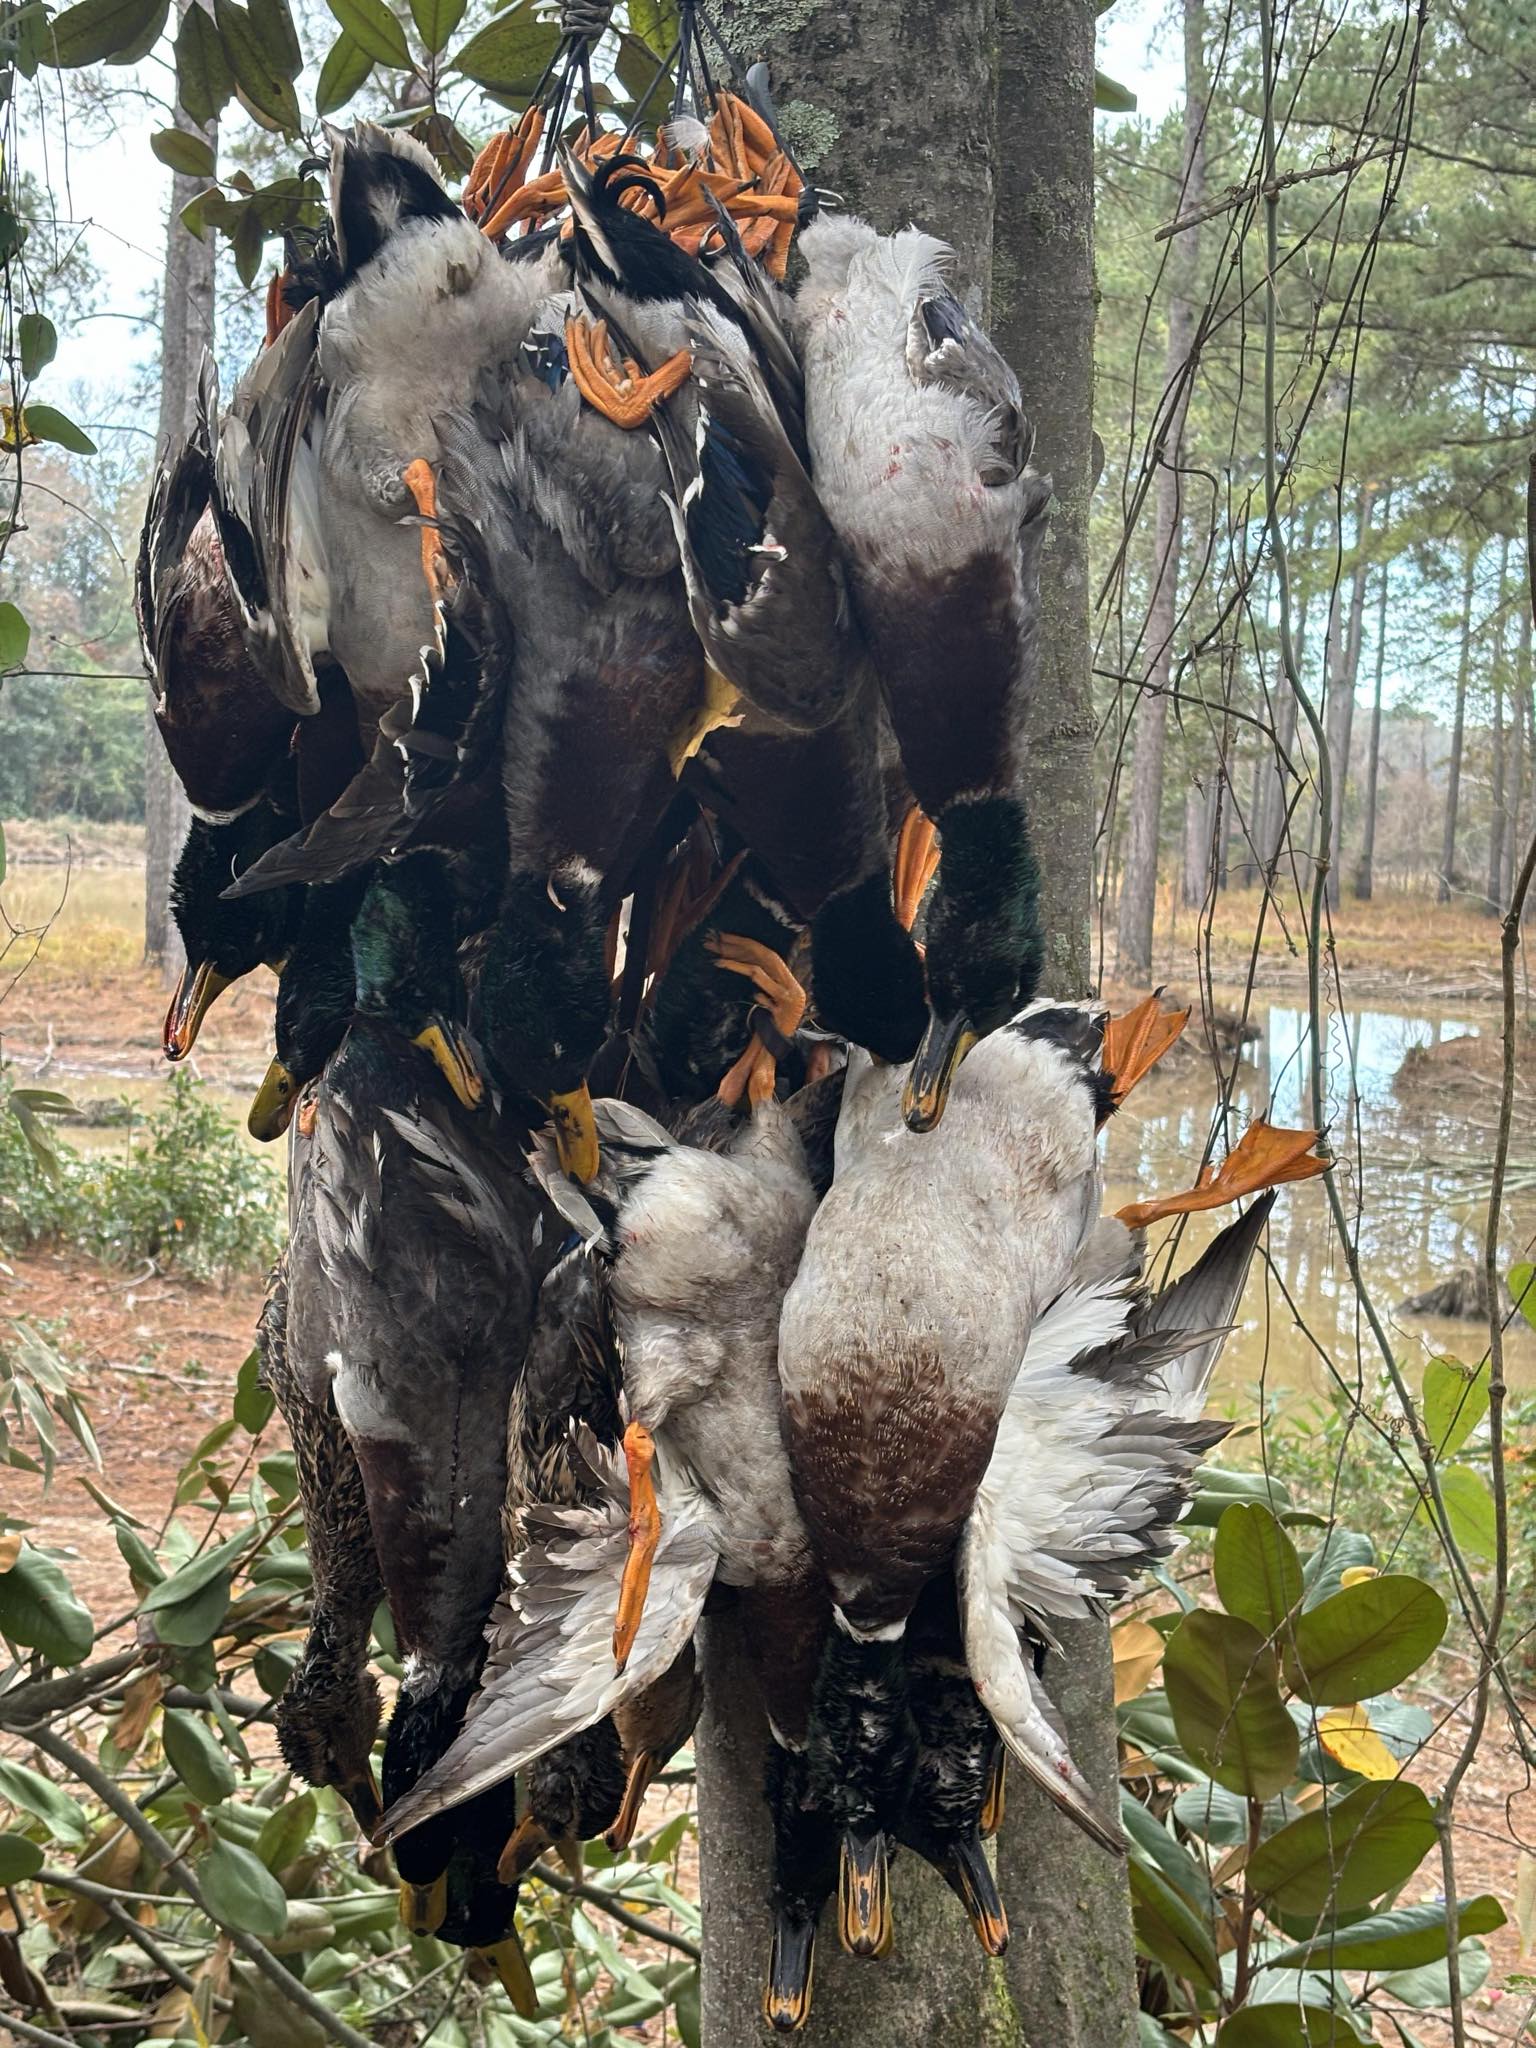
(945, 1044)
(864, 1894)
(969, 1876)
(200, 986)
(791, 1968)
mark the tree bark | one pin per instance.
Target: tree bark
(1138, 888)
(1496, 817)
(1458, 730)
(186, 329)
(1365, 880)
(1071, 1965)
(1520, 708)
(1344, 664)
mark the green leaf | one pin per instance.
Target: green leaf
(186, 153)
(20, 1858)
(1258, 1573)
(371, 25)
(285, 1834)
(241, 1891)
(1428, 1988)
(197, 1757)
(193, 1577)
(510, 54)
(1218, 1486)
(1344, 1856)
(47, 423)
(15, 638)
(94, 30)
(1221, 1817)
(204, 81)
(1364, 1639)
(436, 21)
(1287, 2026)
(1469, 1510)
(1169, 1932)
(346, 67)
(1154, 1844)
(1109, 97)
(274, 29)
(153, 29)
(189, 1606)
(1341, 1550)
(30, 1792)
(37, 341)
(1455, 1402)
(258, 78)
(254, 1403)
(1400, 1940)
(1522, 1288)
(38, 1608)
(143, 1568)
(1222, 1682)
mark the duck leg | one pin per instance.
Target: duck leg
(619, 389)
(524, 1846)
(419, 481)
(644, 1535)
(995, 1804)
(1263, 1157)
(756, 1072)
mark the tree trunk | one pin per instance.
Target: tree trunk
(1365, 880)
(186, 329)
(1270, 829)
(1138, 887)
(1520, 705)
(1458, 730)
(1071, 1966)
(855, 83)
(1195, 864)
(1496, 816)
(1345, 663)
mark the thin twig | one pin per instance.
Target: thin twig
(635, 1922)
(1239, 195)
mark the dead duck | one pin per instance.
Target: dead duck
(316, 995)
(329, 1712)
(223, 942)
(920, 455)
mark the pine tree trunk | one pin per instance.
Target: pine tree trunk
(1520, 708)
(1071, 1965)
(1496, 817)
(859, 85)
(1138, 887)
(1365, 880)
(186, 329)
(1458, 730)
(1345, 664)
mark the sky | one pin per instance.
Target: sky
(119, 192)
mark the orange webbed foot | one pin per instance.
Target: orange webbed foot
(422, 485)
(1134, 1043)
(1263, 1157)
(644, 1535)
(755, 1074)
(620, 390)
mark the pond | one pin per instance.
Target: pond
(1420, 1200)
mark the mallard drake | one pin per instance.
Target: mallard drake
(924, 1268)
(920, 455)
(555, 516)
(702, 1244)
(223, 942)
(316, 994)
(329, 1711)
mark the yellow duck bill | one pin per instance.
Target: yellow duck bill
(448, 1048)
(200, 986)
(864, 1895)
(575, 1133)
(424, 1907)
(272, 1105)
(511, 1965)
(945, 1044)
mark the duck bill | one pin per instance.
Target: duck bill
(424, 1907)
(642, 1774)
(864, 1895)
(791, 1967)
(361, 1792)
(448, 1048)
(575, 1133)
(198, 989)
(970, 1878)
(945, 1044)
(272, 1105)
(511, 1966)
(523, 1848)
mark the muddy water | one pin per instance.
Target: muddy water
(1420, 1199)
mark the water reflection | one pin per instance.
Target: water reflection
(1415, 1187)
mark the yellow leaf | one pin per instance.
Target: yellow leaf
(1357, 1574)
(1525, 1903)
(1138, 1653)
(1347, 1735)
(10, 1548)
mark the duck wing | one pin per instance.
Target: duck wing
(549, 1670)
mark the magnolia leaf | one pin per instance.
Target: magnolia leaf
(1138, 1651)
(20, 1858)
(1455, 1402)
(1155, 1845)
(1348, 1737)
(278, 38)
(30, 1792)
(1218, 1486)
(186, 153)
(95, 30)
(1340, 1551)
(509, 55)
(342, 75)
(47, 423)
(373, 28)
(253, 1403)
(197, 1757)
(1258, 1573)
(1364, 1639)
(1287, 2026)
(37, 342)
(1348, 1854)
(38, 1609)
(1222, 1683)
(204, 80)
(1469, 1510)
(1168, 1931)
(1400, 1940)
(285, 1834)
(258, 79)
(241, 1891)
(15, 638)
(1522, 1288)
(436, 21)
(1109, 97)
(1428, 1989)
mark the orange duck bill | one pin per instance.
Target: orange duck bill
(199, 987)
(1263, 1157)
